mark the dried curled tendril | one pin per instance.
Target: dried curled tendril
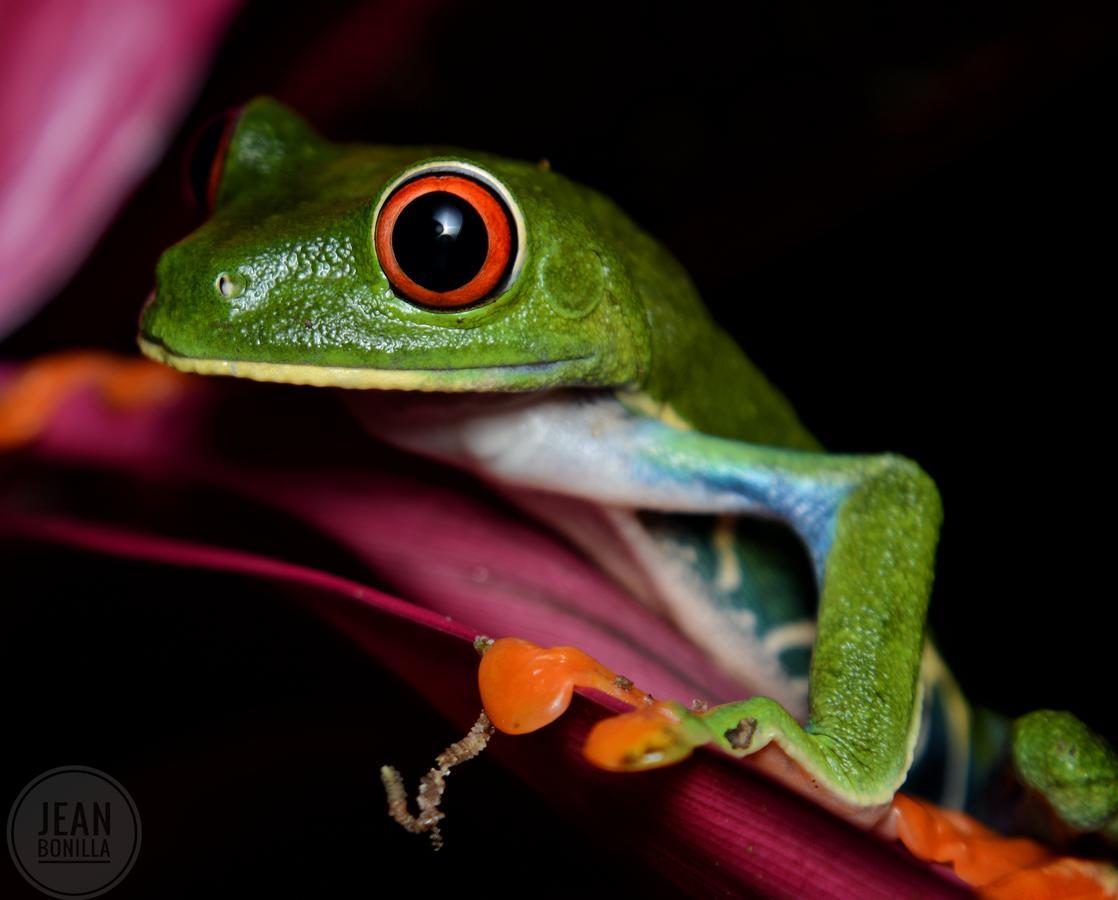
(433, 784)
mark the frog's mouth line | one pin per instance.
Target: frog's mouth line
(509, 377)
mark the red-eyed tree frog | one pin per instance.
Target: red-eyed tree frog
(494, 315)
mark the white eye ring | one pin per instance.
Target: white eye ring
(477, 173)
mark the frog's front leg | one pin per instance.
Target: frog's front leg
(869, 523)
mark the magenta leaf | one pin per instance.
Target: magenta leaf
(460, 563)
(87, 94)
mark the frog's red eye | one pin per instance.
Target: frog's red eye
(445, 240)
(205, 158)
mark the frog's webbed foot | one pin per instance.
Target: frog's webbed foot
(1073, 769)
(525, 687)
(433, 784)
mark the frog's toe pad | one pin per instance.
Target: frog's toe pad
(525, 687)
(1074, 769)
(646, 738)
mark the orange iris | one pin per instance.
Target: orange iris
(493, 216)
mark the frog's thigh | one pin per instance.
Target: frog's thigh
(1072, 767)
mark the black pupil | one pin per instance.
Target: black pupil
(440, 241)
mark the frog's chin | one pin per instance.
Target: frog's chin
(512, 377)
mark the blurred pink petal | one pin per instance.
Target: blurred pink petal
(87, 94)
(458, 555)
(710, 826)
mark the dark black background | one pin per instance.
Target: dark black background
(904, 212)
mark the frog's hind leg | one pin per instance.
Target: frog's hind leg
(1046, 774)
(1073, 770)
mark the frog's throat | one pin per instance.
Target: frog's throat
(512, 377)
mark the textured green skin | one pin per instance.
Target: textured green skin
(612, 309)
(875, 584)
(1072, 767)
(294, 218)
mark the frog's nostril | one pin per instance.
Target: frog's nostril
(230, 285)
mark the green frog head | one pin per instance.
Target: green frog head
(401, 267)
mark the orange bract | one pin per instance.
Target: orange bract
(30, 400)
